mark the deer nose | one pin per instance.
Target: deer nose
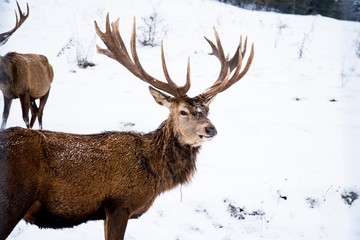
(210, 131)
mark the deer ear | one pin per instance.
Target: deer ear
(161, 98)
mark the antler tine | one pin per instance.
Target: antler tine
(186, 87)
(180, 91)
(22, 16)
(234, 60)
(6, 35)
(220, 49)
(211, 92)
(223, 82)
(166, 73)
(117, 50)
(236, 77)
(213, 48)
(219, 53)
(248, 64)
(245, 45)
(169, 87)
(144, 76)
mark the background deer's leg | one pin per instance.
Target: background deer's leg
(25, 105)
(34, 112)
(7, 105)
(115, 222)
(43, 100)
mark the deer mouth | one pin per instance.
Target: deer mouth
(206, 137)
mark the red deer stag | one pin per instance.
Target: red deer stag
(24, 76)
(58, 180)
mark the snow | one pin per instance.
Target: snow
(288, 133)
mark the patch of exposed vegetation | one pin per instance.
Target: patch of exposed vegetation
(349, 197)
(312, 202)
(241, 213)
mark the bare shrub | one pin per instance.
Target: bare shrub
(85, 53)
(302, 46)
(67, 46)
(306, 37)
(280, 27)
(153, 29)
(357, 45)
(79, 52)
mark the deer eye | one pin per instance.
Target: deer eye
(183, 113)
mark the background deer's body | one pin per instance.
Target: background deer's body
(24, 76)
(25, 73)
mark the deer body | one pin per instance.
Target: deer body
(24, 76)
(22, 73)
(60, 180)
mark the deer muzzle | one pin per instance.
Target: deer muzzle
(210, 131)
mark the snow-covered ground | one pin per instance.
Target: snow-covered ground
(288, 146)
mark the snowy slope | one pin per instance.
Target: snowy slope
(289, 132)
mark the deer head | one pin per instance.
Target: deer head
(189, 115)
(6, 35)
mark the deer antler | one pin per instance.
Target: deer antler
(6, 35)
(117, 50)
(227, 66)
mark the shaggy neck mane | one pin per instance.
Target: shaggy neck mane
(173, 161)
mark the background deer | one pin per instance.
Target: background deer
(24, 76)
(57, 180)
